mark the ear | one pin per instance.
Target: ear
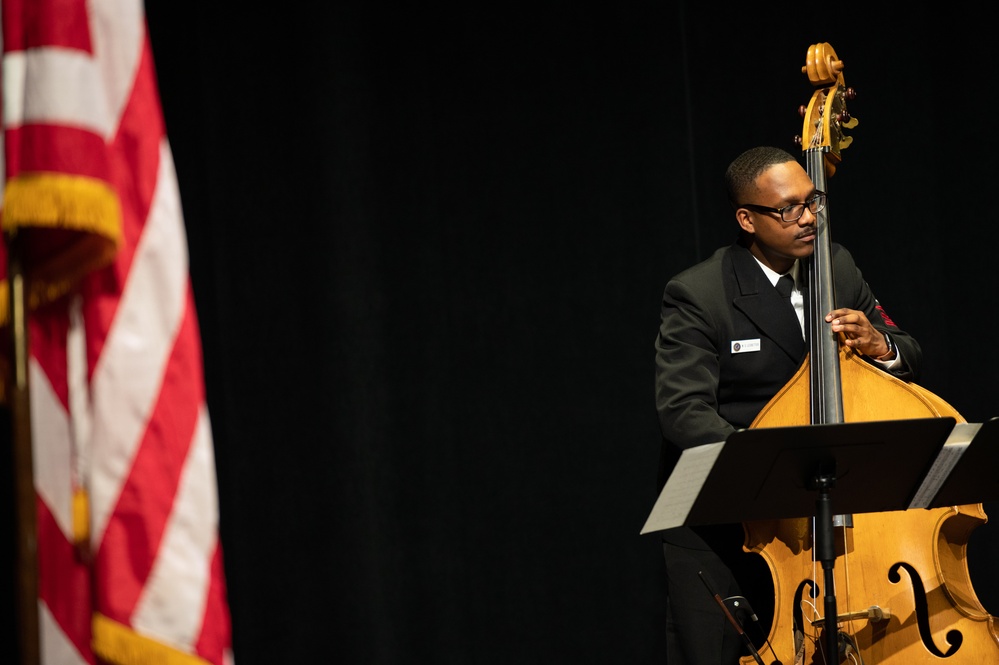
(745, 220)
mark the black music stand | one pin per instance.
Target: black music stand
(788, 472)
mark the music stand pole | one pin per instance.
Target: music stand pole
(825, 548)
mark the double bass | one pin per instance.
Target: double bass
(901, 578)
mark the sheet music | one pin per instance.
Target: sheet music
(958, 441)
(682, 487)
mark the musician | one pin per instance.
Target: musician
(728, 341)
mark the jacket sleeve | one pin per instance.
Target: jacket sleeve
(687, 371)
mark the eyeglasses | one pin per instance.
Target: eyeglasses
(793, 212)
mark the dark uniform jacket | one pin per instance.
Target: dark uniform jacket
(728, 342)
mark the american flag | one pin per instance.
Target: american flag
(129, 557)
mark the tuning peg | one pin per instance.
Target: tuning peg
(802, 110)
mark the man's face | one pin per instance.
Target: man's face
(775, 242)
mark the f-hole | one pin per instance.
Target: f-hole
(954, 637)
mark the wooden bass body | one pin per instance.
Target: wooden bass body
(904, 593)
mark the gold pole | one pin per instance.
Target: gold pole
(26, 569)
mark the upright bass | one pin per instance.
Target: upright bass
(905, 595)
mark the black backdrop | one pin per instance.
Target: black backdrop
(428, 245)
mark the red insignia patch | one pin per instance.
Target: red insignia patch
(885, 317)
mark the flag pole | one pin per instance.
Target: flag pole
(26, 557)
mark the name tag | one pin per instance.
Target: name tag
(745, 345)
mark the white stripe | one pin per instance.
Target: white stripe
(65, 89)
(172, 603)
(55, 647)
(3, 97)
(72, 88)
(127, 377)
(117, 31)
(14, 65)
(50, 439)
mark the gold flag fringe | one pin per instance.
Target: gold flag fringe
(68, 226)
(120, 645)
(86, 214)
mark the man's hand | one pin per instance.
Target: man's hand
(859, 333)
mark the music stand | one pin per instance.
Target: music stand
(789, 472)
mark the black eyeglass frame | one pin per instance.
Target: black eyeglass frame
(817, 196)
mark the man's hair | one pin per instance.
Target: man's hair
(741, 174)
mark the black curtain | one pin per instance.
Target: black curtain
(428, 245)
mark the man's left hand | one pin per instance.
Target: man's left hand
(859, 334)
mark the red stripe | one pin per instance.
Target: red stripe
(135, 530)
(56, 148)
(135, 149)
(13, 25)
(215, 635)
(47, 337)
(46, 23)
(63, 582)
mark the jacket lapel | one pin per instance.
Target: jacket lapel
(759, 301)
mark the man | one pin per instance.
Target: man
(727, 343)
